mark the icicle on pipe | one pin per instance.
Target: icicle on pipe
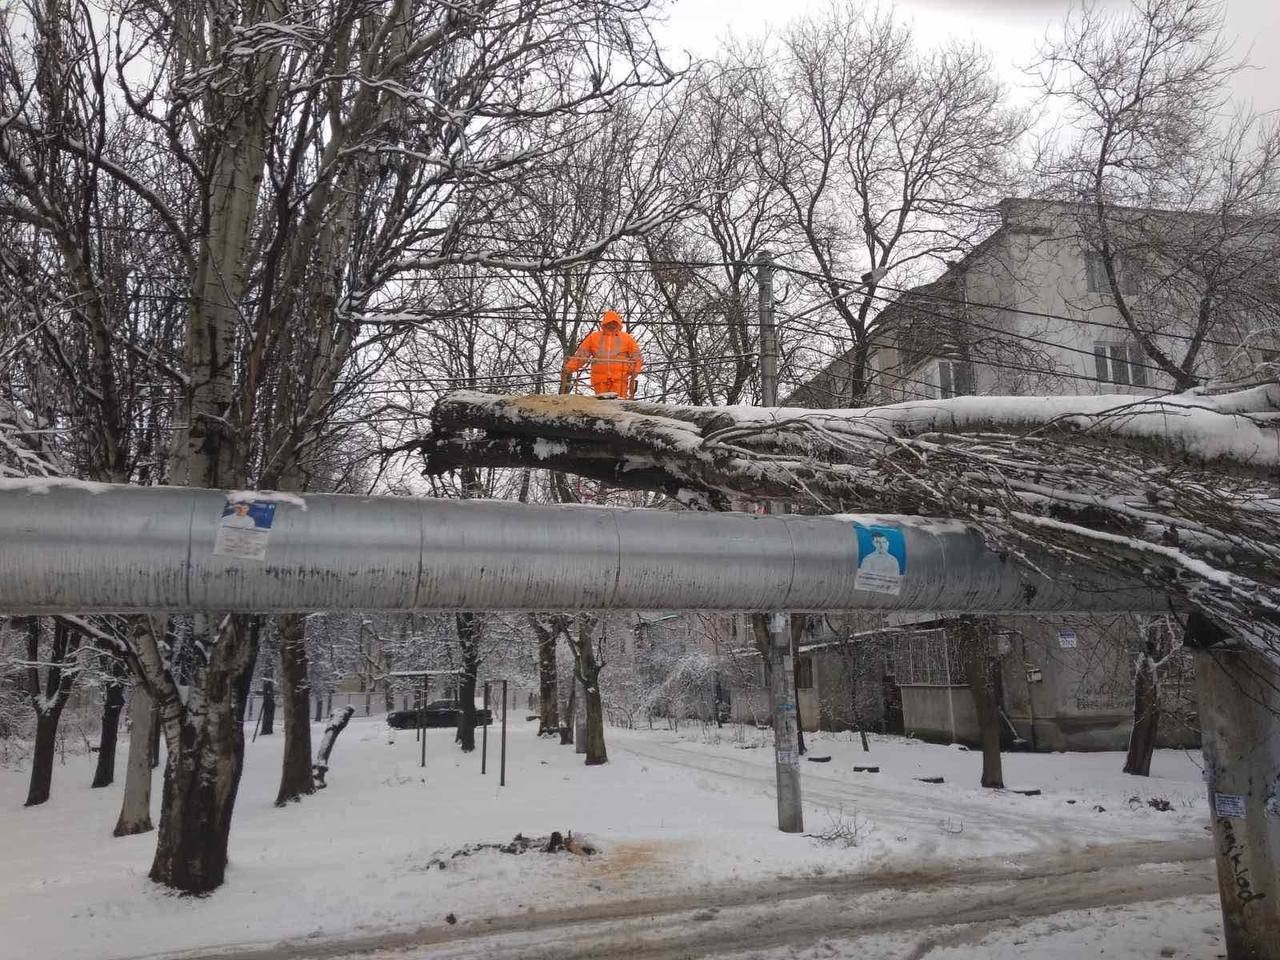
(99, 548)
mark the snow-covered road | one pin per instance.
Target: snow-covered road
(870, 916)
(997, 820)
(681, 818)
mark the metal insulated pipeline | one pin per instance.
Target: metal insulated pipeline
(68, 547)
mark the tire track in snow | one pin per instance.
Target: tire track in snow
(932, 903)
(982, 819)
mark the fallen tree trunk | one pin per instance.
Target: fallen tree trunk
(1178, 490)
(337, 723)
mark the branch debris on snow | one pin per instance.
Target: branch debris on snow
(1181, 490)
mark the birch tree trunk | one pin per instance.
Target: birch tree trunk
(204, 735)
(135, 808)
(205, 740)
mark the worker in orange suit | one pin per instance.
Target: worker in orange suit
(614, 356)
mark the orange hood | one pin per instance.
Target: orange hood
(612, 320)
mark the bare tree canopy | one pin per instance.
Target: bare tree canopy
(1176, 189)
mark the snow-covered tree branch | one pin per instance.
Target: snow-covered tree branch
(1180, 490)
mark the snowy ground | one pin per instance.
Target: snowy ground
(674, 814)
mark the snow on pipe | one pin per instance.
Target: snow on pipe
(71, 547)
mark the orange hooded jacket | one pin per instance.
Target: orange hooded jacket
(614, 356)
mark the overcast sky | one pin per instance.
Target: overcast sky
(1009, 29)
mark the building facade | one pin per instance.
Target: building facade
(1029, 311)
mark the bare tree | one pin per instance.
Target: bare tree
(1159, 643)
(296, 165)
(1177, 195)
(56, 657)
(885, 157)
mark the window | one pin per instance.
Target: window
(1095, 274)
(1120, 363)
(804, 673)
(955, 378)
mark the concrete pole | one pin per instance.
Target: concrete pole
(768, 332)
(782, 695)
(1240, 725)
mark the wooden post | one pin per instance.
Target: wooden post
(502, 774)
(422, 721)
(484, 732)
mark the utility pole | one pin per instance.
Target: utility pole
(782, 693)
(768, 332)
(1239, 702)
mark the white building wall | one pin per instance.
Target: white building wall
(1032, 274)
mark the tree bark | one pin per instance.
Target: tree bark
(296, 777)
(135, 808)
(155, 736)
(267, 719)
(566, 722)
(112, 704)
(205, 758)
(587, 668)
(580, 719)
(548, 690)
(49, 700)
(43, 755)
(468, 625)
(982, 669)
(1146, 717)
(596, 753)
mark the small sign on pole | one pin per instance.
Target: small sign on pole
(1229, 805)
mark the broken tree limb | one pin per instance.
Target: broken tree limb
(338, 721)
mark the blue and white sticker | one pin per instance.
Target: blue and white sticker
(882, 559)
(244, 529)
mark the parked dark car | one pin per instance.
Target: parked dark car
(437, 713)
